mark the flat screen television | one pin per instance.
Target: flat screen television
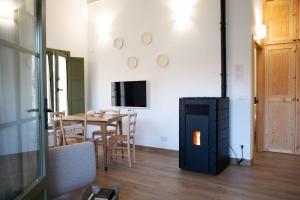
(129, 94)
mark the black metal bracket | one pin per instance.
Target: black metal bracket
(46, 111)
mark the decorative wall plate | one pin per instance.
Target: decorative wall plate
(119, 43)
(146, 38)
(162, 60)
(132, 62)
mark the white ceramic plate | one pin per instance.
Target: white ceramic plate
(146, 38)
(119, 43)
(132, 62)
(162, 61)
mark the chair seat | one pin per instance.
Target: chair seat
(120, 137)
(92, 140)
(108, 132)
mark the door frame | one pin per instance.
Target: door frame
(56, 53)
(258, 85)
(39, 188)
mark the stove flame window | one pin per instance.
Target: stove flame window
(197, 138)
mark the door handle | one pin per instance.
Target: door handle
(57, 90)
(255, 100)
(33, 110)
(46, 111)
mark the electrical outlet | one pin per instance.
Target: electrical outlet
(163, 139)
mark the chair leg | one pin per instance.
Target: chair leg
(112, 150)
(55, 138)
(122, 145)
(133, 151)
(128, 152)
(108, 151)
(96, 154)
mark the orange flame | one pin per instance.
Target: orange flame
(197, 138)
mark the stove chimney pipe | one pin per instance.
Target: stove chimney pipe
(223, 49)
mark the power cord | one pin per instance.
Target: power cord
(238, 160)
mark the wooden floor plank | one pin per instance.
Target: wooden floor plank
(157, 176)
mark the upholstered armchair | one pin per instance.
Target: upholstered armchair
(71, 167)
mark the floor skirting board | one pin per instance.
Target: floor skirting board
(245, 163)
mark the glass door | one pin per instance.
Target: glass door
(22, 131)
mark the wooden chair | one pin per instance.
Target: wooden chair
(73, 132)
(112, 129)
(55, 122)
(126, 141)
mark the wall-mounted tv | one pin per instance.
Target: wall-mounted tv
(129, 94)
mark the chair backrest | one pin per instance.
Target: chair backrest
(112, 111)
(71, 167)
(54, 120)
(73, 132)
(132, 117)
(55, 117)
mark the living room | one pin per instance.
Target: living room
(180, 53)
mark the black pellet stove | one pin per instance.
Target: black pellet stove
(204, 134)
(204, 123)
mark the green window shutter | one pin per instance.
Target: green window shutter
(76, 85)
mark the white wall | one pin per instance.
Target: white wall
(239, 62)
(194, 68)
(194, 53)
(66, 28)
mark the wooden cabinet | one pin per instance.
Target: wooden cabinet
(281, 21)
(282, 76)
(280, 98)
(297, 138)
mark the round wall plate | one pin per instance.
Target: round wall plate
(119, 43)
(146, 38)
(132, 62)
(162, 61)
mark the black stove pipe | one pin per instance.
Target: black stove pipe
(223, 49)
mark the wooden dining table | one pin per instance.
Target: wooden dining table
(103, 122)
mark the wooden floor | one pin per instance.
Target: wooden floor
(157, 176)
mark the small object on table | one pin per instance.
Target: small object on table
(99, 114)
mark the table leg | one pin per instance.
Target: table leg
(103, 128)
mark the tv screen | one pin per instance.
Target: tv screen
(129, 94)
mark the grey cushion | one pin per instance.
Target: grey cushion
(71, 167)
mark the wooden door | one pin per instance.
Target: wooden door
(280, 98)
(297, 138)
(260, 97)
(76, 85)
(281, 19)
(298, 20)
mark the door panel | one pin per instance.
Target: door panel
(281, 127)
(76, 85)
(297, 138)
(280, 19)
(280, 98)
(22, 143)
